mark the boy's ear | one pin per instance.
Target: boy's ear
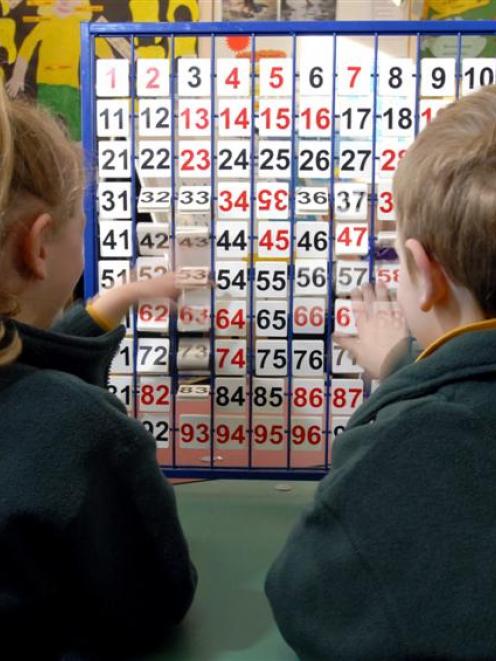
(33, 246)
(432, 281)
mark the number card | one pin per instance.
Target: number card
(389, 154)
(233, 159)
(230, 432)
(311, 200)
(315, 117)
(112, 77)
(271, 279)
(194, 199)
(388, 273)
(151, 267)
(233, 77)
(271, 358)
(267, 434)
(355, 118)
(231, 280)
(309, 316)
(193, 391)
(351, 201)
(232, 239)
(158, 427)
(396, 77)
(154, 158)
(194, 431)
(193, 314)
(194, 118)
(112, 118)
(114, 158)
(153, 355)
(307, 434)
(316, 79)
(112, 272)
(308, 396)
(272, 200)
(312, 239)
(351, 239)
(122, 388)
(233, 200)
(346, 396)
(234, 120)
(153, 240)
(397, 120)
(274, 238)
(308, 357)
(154, 120)
(114, 200)
(438, 76)
(344, 317)
(194, 77)
(350, 275)
(123, 359)
(477, 72)
(115, 239)
(271, 318)
(385, 203)
(152, 77)
(274, 159)
(314, 159)
(154, 394)
(192, 236)
(230, 357)
(230, 394)
(230, 318)
(343, 362)
(310, 277)
(154, 199)
(354, 78)
(195, 159)
(355, 160)
(153, 316)
(268, 395)
(276, 77)
(338, 425)
(428, 110)
(193, 354)
(275, 118)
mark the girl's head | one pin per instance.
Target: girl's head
(41, 217)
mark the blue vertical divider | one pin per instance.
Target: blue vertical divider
(377, 30)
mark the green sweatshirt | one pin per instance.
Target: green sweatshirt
(396, 559)
(92, 556)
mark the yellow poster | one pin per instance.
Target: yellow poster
(441, 9)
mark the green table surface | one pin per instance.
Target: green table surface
(235, 530)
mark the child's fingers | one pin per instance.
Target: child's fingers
(347, 343)
(381, 292)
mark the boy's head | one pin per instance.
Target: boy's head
(41, 218)
(445, 192)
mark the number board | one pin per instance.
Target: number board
(266, 183)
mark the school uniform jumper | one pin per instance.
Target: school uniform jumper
(396, 559)
(92, 556)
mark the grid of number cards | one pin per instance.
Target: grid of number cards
(272, 177)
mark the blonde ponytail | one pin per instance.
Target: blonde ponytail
(40, 172)
(10, 343)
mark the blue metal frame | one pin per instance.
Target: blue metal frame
(90, 31)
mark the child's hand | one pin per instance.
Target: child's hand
(380, 326)
(112, 305)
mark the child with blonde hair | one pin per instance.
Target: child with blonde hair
(92, 555)
(396, 558)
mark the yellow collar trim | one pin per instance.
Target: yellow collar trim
(486, 324)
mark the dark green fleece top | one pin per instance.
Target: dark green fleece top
(92, 556)
(396, 559)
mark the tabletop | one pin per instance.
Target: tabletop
(235, 530)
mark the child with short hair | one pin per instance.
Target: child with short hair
(396, 558)
(92, 555)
